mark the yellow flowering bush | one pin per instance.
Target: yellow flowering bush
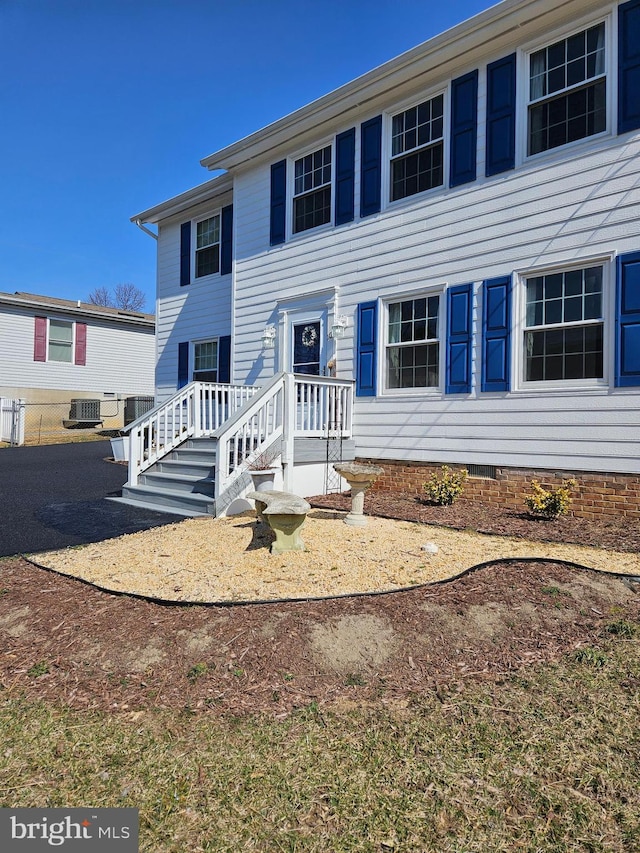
(549, 503)
(444, 488)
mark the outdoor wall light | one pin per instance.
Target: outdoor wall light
(338, 327)
(269, 337)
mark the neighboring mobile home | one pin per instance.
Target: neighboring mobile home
(73, 363)
(457, 234)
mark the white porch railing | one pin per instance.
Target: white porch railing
(246, 421)
(12, 421)
(322, 403)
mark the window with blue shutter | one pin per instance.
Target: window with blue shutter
(628, 320)
(278, 203)
(464, 129)
(629, 66)
(459, 339)
(345, 176)
(185, 253)
(371, 166)
(226, 240)
(183, 364)
(366, 354)
(496, 334)
(501, 116)
(224, 358)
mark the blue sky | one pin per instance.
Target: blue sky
(108, 106)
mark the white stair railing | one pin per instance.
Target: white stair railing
(195, 411)
(258, 426)
(245, 420)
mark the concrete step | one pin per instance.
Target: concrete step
(188, 468)
(178, 481)
(193, 454)
(168, 500)
(140, 504)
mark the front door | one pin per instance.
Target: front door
(306, 348)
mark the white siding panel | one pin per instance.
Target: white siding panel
(196, 311)
(120, 359)
(568, 205)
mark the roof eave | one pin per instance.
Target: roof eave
(364, 88)
(219, 185)
(83, 310)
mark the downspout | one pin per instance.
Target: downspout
(146, 230)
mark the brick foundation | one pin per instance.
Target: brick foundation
(596, 495)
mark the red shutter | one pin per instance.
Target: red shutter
(40, 339)
(81, 344)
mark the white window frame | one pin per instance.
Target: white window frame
(292, 195)
(608, 314)
(194, 345)
(72, 347)
(422, 293)
(387, 146)
(524, 101)
(194, 242)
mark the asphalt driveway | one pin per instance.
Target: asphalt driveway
(54, 496)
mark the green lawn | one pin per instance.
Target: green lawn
(548, 760)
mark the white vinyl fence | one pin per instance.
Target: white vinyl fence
(12, 421)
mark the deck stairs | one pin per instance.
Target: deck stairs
(191, 455)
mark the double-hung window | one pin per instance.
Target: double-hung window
(312, 190)
(567, 90)
(417, 149)
(208, 246)
(60, 346)
(205, 361)
(564, 325)
(413, 346)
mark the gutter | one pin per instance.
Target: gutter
(146, 230)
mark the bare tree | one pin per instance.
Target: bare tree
(101, 296)
(126, 296)
(129, 297)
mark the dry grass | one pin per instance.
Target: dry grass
(548, 760)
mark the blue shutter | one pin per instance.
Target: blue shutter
(628, 320)
(629, 66)
(185, 254)
(278, 230)
(464, 129)
(501, 115)
(496, 334)
(224, 358)
(371, 166)
(366, 353)
(345, 176)
(459, 339)
(183, 364)
(226, 240)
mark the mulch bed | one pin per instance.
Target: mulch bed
(619, 534)
(64, 641)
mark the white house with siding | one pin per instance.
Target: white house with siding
(53, 351)
(453, 237)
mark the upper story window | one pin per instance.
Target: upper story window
(205, 361)
(417, 149)
(413, 346)
(312, 190)
(60, 346)
(567, 90)
(208, 246)
(564, 325)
